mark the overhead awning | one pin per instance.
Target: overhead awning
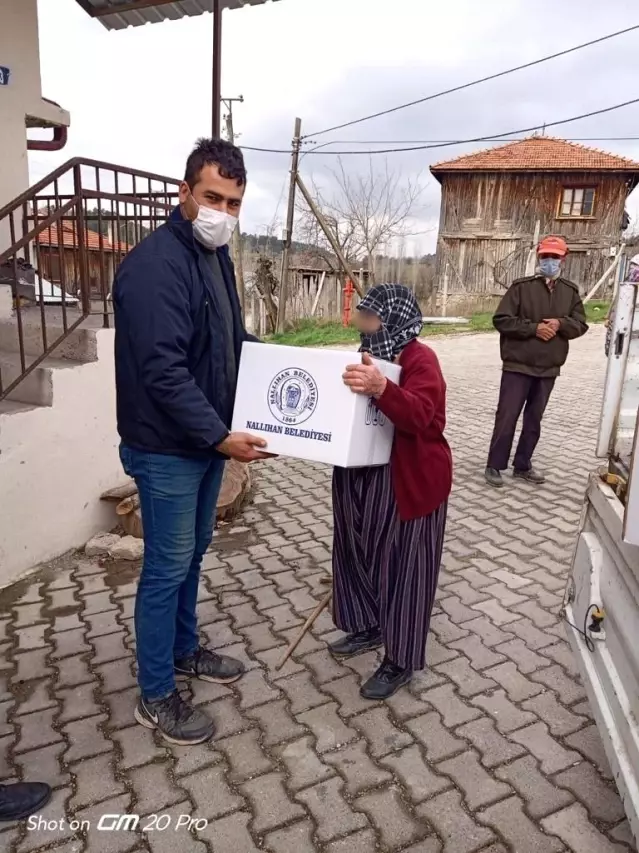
(120, 14)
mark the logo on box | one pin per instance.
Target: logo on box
(292, 396)
(373, 415)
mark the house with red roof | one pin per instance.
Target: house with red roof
(59, 257)
(495, 202)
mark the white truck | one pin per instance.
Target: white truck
(601, 605)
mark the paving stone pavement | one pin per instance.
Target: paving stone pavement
(492, 749)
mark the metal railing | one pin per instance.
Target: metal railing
(65, 238)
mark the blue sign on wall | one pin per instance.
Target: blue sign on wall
(4, 75)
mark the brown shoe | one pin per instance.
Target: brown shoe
(531, 476)
(493, 478)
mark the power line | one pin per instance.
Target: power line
(493, 137)
(452, 141)
(474, 82)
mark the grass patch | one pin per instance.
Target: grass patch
(313, 333)
(482, 322)
(310, 333)
(597, 310)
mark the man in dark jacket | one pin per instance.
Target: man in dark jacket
(179, 333)
(536, 319)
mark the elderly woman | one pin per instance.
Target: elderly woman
(390, 520)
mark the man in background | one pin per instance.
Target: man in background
(179, 334)
(536, 319)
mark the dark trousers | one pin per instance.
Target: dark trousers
(518, 390)
(385, 570)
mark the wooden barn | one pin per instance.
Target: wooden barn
(60, 257)
(495, 202)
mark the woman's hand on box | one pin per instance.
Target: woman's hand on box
(365, 378)
(244, 447)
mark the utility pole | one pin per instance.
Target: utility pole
(400, 261)
(236, 240)
(216, 99)
(290, 218)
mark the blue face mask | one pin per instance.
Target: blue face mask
(550, 267)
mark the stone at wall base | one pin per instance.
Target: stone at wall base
(100, 545)
(128, 548)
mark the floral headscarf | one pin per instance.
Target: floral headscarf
(401, 318)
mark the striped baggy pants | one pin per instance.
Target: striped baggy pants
(384, 570)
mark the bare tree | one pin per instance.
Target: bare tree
(309, 231)
(367, 211)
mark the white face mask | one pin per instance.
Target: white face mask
(213, 228)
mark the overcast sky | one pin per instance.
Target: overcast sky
(140, 97)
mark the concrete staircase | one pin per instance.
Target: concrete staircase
(58, 441)
(36, 389)
(58, 438)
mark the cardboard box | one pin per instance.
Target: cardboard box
(296, 399)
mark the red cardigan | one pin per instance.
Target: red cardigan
(421, 461)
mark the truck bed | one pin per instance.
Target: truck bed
(605, 575)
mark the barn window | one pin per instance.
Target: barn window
(577, 202)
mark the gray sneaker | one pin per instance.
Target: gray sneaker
(176, 720)
(531, 476)
(493, 478)
(209, 666)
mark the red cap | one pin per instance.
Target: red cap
(553, 246)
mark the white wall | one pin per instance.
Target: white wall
(54, 465)
(6, 302)
(19, 51)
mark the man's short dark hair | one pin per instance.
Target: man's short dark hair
(215, 152)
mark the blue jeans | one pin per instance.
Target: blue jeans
(178, 497)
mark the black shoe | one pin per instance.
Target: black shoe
(357, 644)
(531, 476)
(386, 681)
(209, 666)
(22, 799)
(493, 477)
(176, 720)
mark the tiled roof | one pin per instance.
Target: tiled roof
(538, 154)
(51, 237)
